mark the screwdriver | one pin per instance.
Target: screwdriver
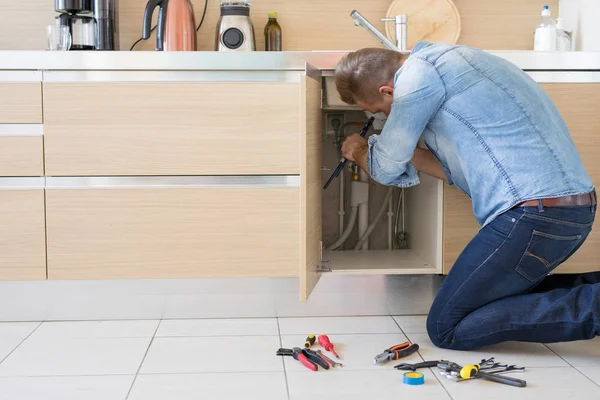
(344, 161)
(310, 340)
(327, 345)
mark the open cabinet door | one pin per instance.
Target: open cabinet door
(310, 180)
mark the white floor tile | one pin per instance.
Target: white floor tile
(219, 327)
(12, 334)
(412, 323)
(337, 325)
(66, 388)
(97, 329)
(213, 354)
(75, 356)
(361, 385)
(357, 351)
(584, 353)
(521, 354)
(542, 383)
(591, 372)
(222, 386)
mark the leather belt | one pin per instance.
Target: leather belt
(588, 199)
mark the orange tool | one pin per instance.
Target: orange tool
(327, 345)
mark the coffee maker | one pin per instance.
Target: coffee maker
(94, 24)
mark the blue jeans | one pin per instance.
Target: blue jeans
(499, 289)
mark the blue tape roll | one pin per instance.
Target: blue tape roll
(414, 378)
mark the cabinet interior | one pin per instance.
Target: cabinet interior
(420, 253)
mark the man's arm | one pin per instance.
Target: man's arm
(355, 149)
(424, 161)
(419, 92)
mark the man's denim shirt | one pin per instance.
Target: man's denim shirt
(497, 135)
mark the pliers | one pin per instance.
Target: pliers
(308, 358)
(395, 352)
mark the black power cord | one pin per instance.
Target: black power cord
(197, 29)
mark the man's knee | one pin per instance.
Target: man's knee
(441, 339)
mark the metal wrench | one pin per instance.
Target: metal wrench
(329, 360)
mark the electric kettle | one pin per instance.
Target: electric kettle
(176, 25)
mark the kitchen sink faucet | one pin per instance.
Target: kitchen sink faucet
(399, 20)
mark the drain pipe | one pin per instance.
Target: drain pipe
(363, 209)
(342, 210)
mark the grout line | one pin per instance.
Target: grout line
(213, 336)
(287, 385)
(143, 359)
(21, 342)
(590, 379)
(422, 358)
(558, 355)
(440, 382)
(572, 366)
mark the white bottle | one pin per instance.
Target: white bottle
(563, 39)
(545, 34)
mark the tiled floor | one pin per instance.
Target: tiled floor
(235, 358)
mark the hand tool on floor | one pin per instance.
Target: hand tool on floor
(309, 360)
(310, 340)
(344, 161)
(414, 367)
(327, 345)
(396, 352)
(329, 360)
(454, 369)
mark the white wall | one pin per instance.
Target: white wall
(582, 17)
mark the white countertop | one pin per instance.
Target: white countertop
(255, 61)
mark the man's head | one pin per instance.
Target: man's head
(366, 78)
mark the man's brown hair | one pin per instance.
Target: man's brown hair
(360, 74)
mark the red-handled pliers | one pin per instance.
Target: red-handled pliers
(309, 359)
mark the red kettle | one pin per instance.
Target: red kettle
(176, 25)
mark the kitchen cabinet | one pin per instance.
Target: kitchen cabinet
(21, 155)
(171, 128)
(310, 184)
(578, 105)
(145, 231)
(20, 103)
(22, 233)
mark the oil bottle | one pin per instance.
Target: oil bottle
(272, 34)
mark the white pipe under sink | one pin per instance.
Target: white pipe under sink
(363, 212)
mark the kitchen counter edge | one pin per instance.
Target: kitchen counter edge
(254, 61)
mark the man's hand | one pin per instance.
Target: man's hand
(355, 149)
(354, 146)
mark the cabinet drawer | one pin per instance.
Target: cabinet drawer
(20, 103)
(20, 155)
(195, 128)
(22, 234)
(172, 232)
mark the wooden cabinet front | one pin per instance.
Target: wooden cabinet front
(22, 235)
(20, 103)
(578, 104)
(197, 128)
(21, 156)
(125, 233)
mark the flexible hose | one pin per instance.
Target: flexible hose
(380, 213)
(347, 231)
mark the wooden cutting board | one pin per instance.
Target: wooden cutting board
(436, 21)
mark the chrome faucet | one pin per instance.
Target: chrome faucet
(399, 20)
(359, 20)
